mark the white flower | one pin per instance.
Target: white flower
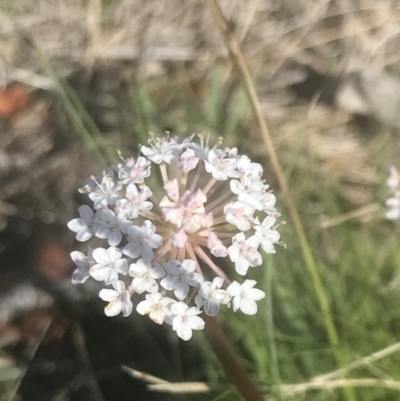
(106, 193)
(157, 307)
(135, 201)
(244, 253)
(211, 296)
(119, 300)
(244, 296)
(161, 150)
(142, 241)
(112, 226)
(145, 275)
(393, 180)
(247, 168)
(266, 233)
(220, 168)
(394, 207)
(188, 160)
(211, 203)
(85, 226)
(108, 264)
(134, 172)
(239, 214)
(202, 149)
(186, 320)
(215, 245)
(180, 276)
(249, 191)
(83, 263)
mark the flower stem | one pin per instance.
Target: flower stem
(239, 62)
(226, 356)
(204, 257)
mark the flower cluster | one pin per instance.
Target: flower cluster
(393, 203)
(213, 204)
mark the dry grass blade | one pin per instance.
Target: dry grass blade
(295, 389)
(161, 385)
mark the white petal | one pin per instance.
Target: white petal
(211, 307)
(113, 308)
(144, 307)
(86, 212)
(196, 323)
(184, 332)
(108, 295)
(114, 238)
(248, 306)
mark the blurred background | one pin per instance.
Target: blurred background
(80, 79)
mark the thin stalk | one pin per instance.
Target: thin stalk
(226, 356)
(273, 360)
(239, 62)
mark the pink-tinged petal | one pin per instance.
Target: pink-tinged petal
(179, 239)
(172, 189)
(108, 295)
(196, 323)
(113, 308)
(132, 190)
(248, 306)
